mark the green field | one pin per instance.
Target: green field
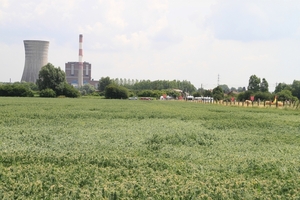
(119, 149)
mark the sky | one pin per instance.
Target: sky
(206, 42)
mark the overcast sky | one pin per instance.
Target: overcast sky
(201, 41)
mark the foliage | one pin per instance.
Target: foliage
(233, 89)
(53, 78)
(241, 89)
(149, 93)
(263, 96)
(70, 91)
(207, 93)
(47, 93)
(225, 88)
(285, 95)
(87, 89)
(15, 90)
(218, 93)
(86, 149)
(282, 86)
(173, 93)
(264, 86)
(245, 95)
(254, 83)
(113, 91)
(197, 94)
(30, 85)
(296, 88)
(103, 82)
(163, 85)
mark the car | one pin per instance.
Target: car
(133, 98)
(145, 98)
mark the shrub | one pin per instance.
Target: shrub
(47, 93)
(15, 90)
(70, 91)
(113, 91)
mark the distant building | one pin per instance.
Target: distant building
(36, 56)
(72, 70)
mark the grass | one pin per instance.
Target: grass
(119, 149)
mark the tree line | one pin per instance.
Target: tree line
(257, 88)
(52, 83)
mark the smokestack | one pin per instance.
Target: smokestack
(80, 68)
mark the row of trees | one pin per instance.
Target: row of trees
(148, 85)
(144, 88)
(16, 90)
(52, 83)
(259, 88)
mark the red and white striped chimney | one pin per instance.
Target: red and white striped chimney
(80, 69)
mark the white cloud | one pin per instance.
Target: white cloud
(96, 28)
(159, 39)
(253, 20)
(114, 13)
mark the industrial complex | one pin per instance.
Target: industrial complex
(36, 56)
(79, 73)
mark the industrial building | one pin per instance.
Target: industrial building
(79, 73)
(36, 56)
(72, 72)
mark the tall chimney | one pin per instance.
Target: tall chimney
(80, 68)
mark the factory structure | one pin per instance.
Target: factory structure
(79, 73)
(36, 56)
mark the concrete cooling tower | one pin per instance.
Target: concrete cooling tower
(36, 56)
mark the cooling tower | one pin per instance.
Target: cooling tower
(36, 56)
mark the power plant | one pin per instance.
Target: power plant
(36, 56)
(79, 73)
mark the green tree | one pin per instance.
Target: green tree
(51, 77)
(225, 88)
(103, 82)
(87, 89)
(70, 91)
(113, 91)
(245, 95)
(197, 94)
(282, 86)
(262, 96)
(264, 86)
(207, 93)
(233, 89)
(47, 93)
(218, 93)
(254, 83)
(173, 94)
(296, 88)
(16, 90)
(285, 95)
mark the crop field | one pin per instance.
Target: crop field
(119, 149)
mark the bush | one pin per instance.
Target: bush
(113, 91)
(15, 90)
(47, 93)
(70, 91)
(263, 96)
(285, 95)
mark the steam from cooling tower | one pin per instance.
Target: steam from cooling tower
(80, 69)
